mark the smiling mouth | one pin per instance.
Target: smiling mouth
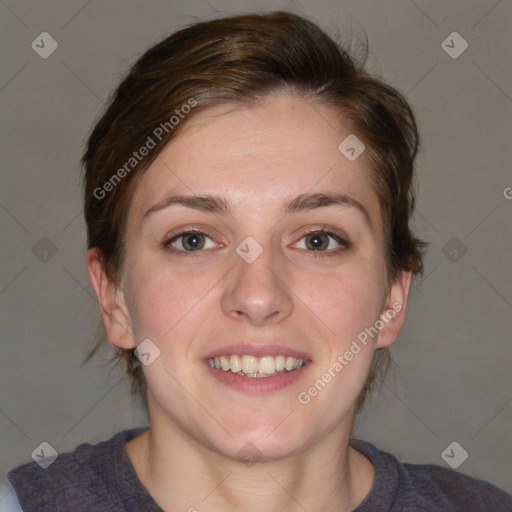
(250, 366)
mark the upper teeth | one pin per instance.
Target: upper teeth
(252, 365)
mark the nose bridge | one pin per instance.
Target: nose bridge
(255, 289)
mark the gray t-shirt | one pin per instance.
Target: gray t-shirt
(100, 477)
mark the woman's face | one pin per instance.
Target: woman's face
(267, 266)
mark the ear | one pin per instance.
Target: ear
(114, 312)
(393, 313)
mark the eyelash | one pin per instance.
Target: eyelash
(335, 235)
(338, 238)
(178, 252)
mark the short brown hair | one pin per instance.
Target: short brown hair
(245, 59)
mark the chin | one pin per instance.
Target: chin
(263, 439)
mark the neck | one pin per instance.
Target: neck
(181, 474)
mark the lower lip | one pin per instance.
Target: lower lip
(257, 385)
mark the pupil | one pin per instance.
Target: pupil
(316, 241)
(193, 241)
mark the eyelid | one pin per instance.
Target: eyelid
(338, 235)
(326, 255)
(178, 232)
(193, 228)
(327, 230)
(189, 233)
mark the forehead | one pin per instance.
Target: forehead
(257, 157)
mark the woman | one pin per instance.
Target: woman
(247, 200)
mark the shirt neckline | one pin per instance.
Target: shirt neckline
(131, 492)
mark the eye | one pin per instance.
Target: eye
(190, 241)
(323, 241)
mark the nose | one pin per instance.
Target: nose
(257, 292)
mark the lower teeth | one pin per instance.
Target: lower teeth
(258, 375)
(255, 375)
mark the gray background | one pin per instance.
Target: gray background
(453, 381)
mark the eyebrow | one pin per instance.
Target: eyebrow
(302, 203)
(307, 202)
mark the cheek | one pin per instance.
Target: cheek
(347, 306)
(166, 302)
(346, 302)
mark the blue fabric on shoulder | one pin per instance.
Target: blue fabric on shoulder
(8, 499)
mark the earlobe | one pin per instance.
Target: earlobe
(114, 312)
(393, 314)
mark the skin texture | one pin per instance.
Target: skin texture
(257, 158)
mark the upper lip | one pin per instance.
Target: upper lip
(257, 350)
